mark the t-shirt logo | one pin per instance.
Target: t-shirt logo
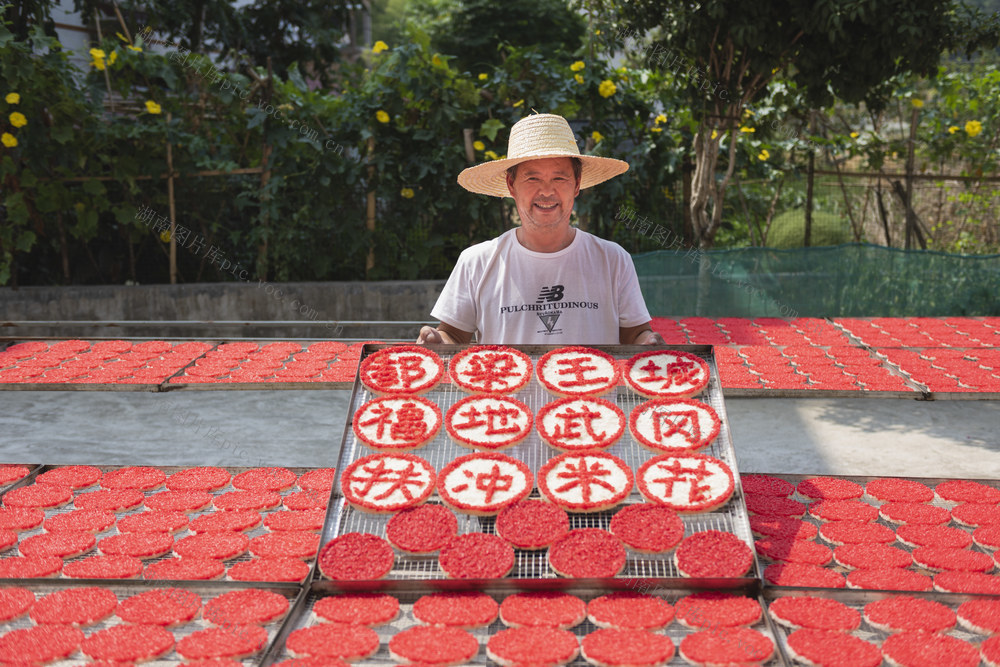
(549, 320)
(554, 293)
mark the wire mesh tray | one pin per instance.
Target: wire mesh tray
(532, 565)
(124, 590)
(259, 530)
(931, 482)
(303, 616)
(32, 469)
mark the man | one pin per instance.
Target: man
(544, 282)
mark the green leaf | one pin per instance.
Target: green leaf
(25, 241)
(490, 128)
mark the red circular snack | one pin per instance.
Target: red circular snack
(320, 479)
(11, 473)
(725, 646)
(104, 567)
(295, 544)
(713, 553)
(229, 520)
(899, 490)
(93, 521)
(63, 545)
(297, 520)
(549, 609)
(460, 609)
(490, 369)
(774, 506)
(987, 537)
(433, 645)
(333, 640)
(73, 477)
(814, 613)
(265, 479)
(782, 527)
(476, 556)
(871, 556)
(686, 483)
(40, 644)
(42, 496)
(928, 649)
(648, 528)
(356, 556)
(843, 510)
(628, 610)
(387, 482)
(204, 478)
(990, 651)
(247, 607)
(829, 488)
(889, 579)
(306, 500)
(799, 574)
(667, 373)
(269, 569)
(247, 500)
(967, 491)
(532, 646)
(143, 478)
(484, 483)
(976, 514)
(401, 369)
(185, 568)
(713, 609)
(20, 518)
(14, 603)
(370, 609)
(577, 371)
(609, 647)
(914, 513)
(397, 423)
(221, 546)
(153, 522)
(163, 606)
(74, 606)
(29, 567)
(137, 545)
(766, 485)
(422, 529)
(916, 535)
(587, 552)
(966, 582)
(233, 642)
(856, 532)
(580, 423)
(980, 616)
(585, 482)
(532, 524)
(116, 500)
(674, 425)
(794, 551)
(832, 649)
(949, 558)
(487, 422)
(128, 643)
(291, 662)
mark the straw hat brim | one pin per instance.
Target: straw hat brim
(490, 178)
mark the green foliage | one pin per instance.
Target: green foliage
(788, 230)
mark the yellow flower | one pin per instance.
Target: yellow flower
(113, 57)
(121, 37)
(98, 59)
(597, 136)
(607, 88)
(165, 236)
(381, 116)
(667, 193)
(436, 60)
(152, 107)
(749, 130)
(406, 193)
(598, 33)
(747, 113)
(578, 77)
(17, 119)
(973, 127)
(137, 49)
(577, 66)
(519, 102)
(854, 135)
(491, 155)
(656, 129)
(714, 134)
(763, 155)
(917, 103)
(660, 119)
(775, 70)
(12, 98)
(478, 145)
(8, 140)
(953, 129)
(379, 47)
(483, 76)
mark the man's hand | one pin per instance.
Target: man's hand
(642, 334)
(445, 333)
(429, 335)
(649, 337)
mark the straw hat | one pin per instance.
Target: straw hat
(532, 138)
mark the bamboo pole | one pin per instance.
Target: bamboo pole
(265, 178)
(911, 216)
(173, 207)
(370, 209)
(107, 77)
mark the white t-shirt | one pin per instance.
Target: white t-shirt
(581, 294)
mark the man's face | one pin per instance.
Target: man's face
(544, 192)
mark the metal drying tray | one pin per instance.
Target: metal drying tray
(532, 565)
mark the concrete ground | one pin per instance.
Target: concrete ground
(845, 436)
